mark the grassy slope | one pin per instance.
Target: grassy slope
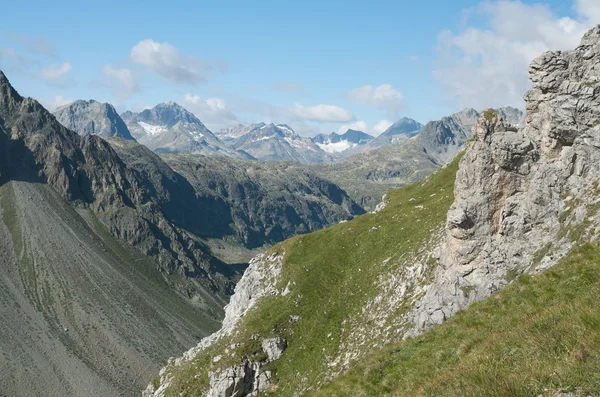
(332, 275)
(539, 335)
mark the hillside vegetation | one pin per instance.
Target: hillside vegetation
(538, 336)
(332, 274)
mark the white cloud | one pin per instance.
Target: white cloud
(213, 111)
(53, 103)
(318, 113)
(359, 126)
(384, 97)
(169, 62)
(121, 80)
(588, 9)
(381, 126)
(55, 73)
(488, 67)
(363, 126)
(287, 86)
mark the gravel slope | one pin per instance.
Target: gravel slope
(80, 314)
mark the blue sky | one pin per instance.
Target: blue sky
(319, 66)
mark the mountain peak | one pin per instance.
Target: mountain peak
(3, 78)
(404, 126)
(92, 118)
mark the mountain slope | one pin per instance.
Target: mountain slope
(524, 197)
(312, 290)
(92, 118)
(536, 337)
(248, 201)
(169, 128)
(86, 172)
(80, 314)
(270, 142)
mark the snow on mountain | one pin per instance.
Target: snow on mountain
(170, 128)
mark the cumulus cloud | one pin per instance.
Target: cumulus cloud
(359, 126)
(488, 67)
(213, 112)
(384, 97)
(121, 80)
(363, 126)
(318, 113)
(381, 126)
(54, 73)
(170, 63)
(286, 86)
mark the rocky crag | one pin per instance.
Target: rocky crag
(519, 190)
(523, 196)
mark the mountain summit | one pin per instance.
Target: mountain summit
(402, 129)
(92, 118)
(170, 128)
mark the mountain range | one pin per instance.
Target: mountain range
(113, 260)
(270, 142)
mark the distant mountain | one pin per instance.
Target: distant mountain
(92, 118)
(229, 135)
(402, 129)
(335, 143)
(170, 128)
(270, 142)
(512, 115)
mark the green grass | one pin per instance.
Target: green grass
(539, 335)
(332, 274)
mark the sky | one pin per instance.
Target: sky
(318, 66)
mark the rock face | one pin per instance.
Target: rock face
(246, 378)
(519, 189)
(92, 118)
(170, 128)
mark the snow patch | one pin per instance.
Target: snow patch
(152, 129)
(336, 147)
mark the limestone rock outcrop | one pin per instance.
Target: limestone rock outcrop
(518, 190)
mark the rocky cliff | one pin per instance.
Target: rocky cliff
(524, 195)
